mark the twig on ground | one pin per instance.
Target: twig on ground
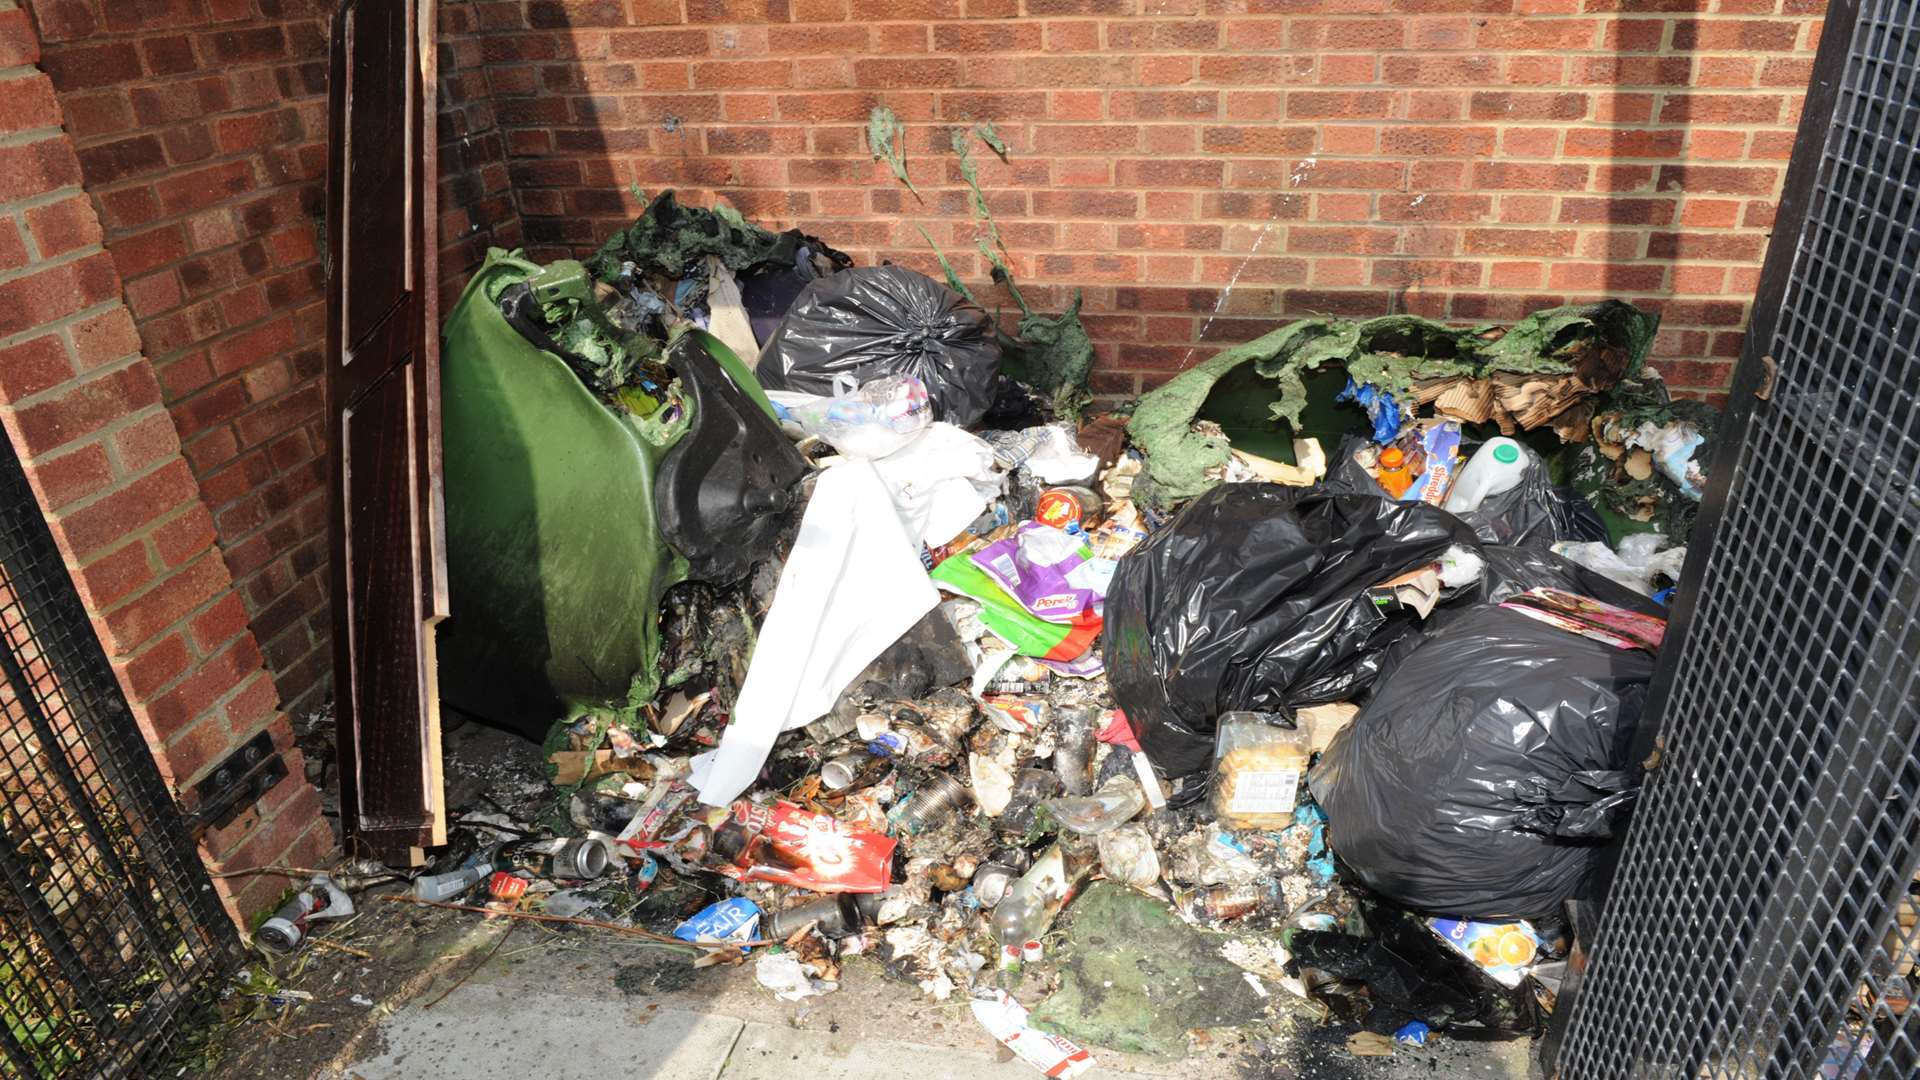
(630, 931)
(323, 943)
(465, 975)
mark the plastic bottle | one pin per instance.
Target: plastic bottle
(454, 882)
(1031, 905)
(1394, 475)
(1221, 903)
(1074, 747)
(1496, 467)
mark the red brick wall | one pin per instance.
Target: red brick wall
(1463, 159)
(477, 210)
(84, 409)
(201, 128)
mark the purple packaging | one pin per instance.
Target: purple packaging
(1053, 574)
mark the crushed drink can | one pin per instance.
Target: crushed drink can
(287, 928)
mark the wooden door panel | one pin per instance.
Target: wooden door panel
(383, 402)
(375, 256)
(396, 763)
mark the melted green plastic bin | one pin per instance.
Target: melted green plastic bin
(556, 559)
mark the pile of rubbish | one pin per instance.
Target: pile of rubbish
(865, 641)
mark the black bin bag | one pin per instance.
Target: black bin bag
(1253, 598)
(1484, 775)
(1532, 513)
(886, 320)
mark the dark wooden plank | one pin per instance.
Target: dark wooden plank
(383, 402)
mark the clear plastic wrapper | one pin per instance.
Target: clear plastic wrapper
(1116, 802)
(1127, 854)
(870, 420)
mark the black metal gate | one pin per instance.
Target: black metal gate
(1762, 921)
(109, 928)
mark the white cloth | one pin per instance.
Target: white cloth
(853, 586)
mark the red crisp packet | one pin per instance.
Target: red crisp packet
(789, 845)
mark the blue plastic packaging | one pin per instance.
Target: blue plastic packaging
(736, 919)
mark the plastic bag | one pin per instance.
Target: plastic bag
(871, 420)
(1127, 854)
(1638, 563)
(1524, 513)
(1009, 619)
(1257, 766)
(1478, 778)
(1253, 599)
(1117, 802)
(1409, 971)
(886, 320)
(1533, 513)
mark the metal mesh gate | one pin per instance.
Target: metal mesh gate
(109, 929)
(1762, 922)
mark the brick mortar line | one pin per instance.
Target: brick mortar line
(144, 532)
(234, 541)
(148, 179)
(43, 198)
(195, 659)
(187, 302)
(230, 113)
(64, 322)
(29, 136)
(162, 574)
(41, 264)
(254, 407)
(102, 434)
(215, 708)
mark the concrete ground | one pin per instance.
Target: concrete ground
(573, 1006)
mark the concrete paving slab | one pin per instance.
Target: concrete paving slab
(767, 1052)
(489, 1033)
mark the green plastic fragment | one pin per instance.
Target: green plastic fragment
(671, 241)
(1135, 978)
(991, 138)
(953, 279)
(554, 611)
(884, 131)
(1179, 457)
(1601, 342)
(1054, 355)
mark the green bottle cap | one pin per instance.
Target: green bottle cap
(1506, 453)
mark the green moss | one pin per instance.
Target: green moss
(1135, 978)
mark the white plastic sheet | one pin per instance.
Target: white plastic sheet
(940, 481)
(852, 587)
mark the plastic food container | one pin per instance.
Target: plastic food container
(1258, 762)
